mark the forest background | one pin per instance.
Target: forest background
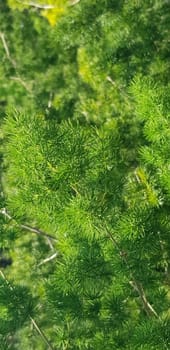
(85, 175)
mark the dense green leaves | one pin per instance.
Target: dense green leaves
(85, 186)
(15, 307)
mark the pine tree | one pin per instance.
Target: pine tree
(85, 185)
(111, 222)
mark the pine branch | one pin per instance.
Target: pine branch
(134, 283)
(38, 329)
(27, 227)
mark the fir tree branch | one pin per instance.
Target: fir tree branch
(39, 331)
(27, 227)
(134, 283)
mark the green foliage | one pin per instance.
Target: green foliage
(16, 307)
(85, 186)
(74, 181)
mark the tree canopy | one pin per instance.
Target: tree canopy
(85, 185)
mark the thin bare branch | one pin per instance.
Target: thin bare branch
(5, 45)
(74, 2)
(147, 306)
(6, 48)
(38, 232)
(41, 333)
(50, 243)
(5, 279)
(4, 212)
(50, 100)
(108, 78)
(48, 259)
(8, 55)
(134, 283)
(22, 82)
(36, 5)
(45, 6)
